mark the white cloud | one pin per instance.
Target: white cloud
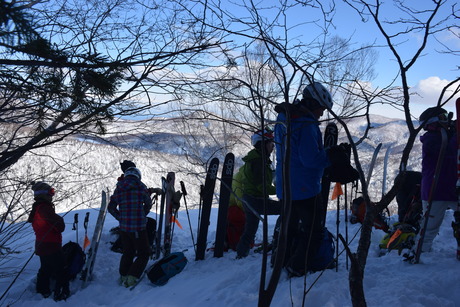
(427, 91)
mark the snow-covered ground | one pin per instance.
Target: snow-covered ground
(389, 281)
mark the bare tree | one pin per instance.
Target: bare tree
(298, 60)
(273, 65)
(67, 67)
(427, 22)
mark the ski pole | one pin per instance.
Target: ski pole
(199, 207)
(75, 225)
(85, 225)
(337, 232)
(346, 224)
(160, 224)
(155, 201)
(174, 221)
(184, 193)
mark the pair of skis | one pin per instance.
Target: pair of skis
(166, 214)
(207, 195)
(456, 222)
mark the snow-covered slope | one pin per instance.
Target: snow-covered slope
(389, 281)
(84, 166)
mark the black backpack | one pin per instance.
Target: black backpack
(117, 246)
(74, 259)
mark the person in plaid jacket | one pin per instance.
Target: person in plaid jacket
(130, 204)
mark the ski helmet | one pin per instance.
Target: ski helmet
(133, 171)
(126, 164)
(432, 115)
(42, 191)
(316, 91)
(257, 137)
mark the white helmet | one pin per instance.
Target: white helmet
(133, 171)
(319, 93)
(256, 137)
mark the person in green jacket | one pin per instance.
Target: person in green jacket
(256, 181)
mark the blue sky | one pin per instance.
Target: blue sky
(428, 76)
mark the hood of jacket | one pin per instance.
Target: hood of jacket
(253, 155)
(129, 183)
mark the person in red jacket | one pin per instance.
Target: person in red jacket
(48, 228)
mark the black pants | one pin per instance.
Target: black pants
(52, 267)
(136, 253)
(252, 222)
(304, 238)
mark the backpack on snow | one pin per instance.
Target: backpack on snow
(402, 234)
(74, 259)
(358, 211)
(151, 226)
(324, 258)
(165, 268)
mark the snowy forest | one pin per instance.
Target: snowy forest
(171, 84)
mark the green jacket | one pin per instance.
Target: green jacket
(252, 175)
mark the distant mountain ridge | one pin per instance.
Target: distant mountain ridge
(82, 166)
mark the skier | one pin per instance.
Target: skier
(130, 204)
(308, 161)
(252, 180)
(48, 228)
(444, 195)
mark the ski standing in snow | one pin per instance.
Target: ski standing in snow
(207, 196)
(331, 135)
(456, 222)
(170, 180)
(87, 272)
(224, 198)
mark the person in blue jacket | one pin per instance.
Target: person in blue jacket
(308, 160)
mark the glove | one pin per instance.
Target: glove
(338, 155)
(176, 200)
(155, 190)
(346, 148)
(343, 173)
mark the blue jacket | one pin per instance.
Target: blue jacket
(308, 157)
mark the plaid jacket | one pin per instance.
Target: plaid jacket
(130, 204)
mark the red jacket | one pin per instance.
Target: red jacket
(48, 228)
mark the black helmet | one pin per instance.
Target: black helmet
(126, 164)
(432, 115)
